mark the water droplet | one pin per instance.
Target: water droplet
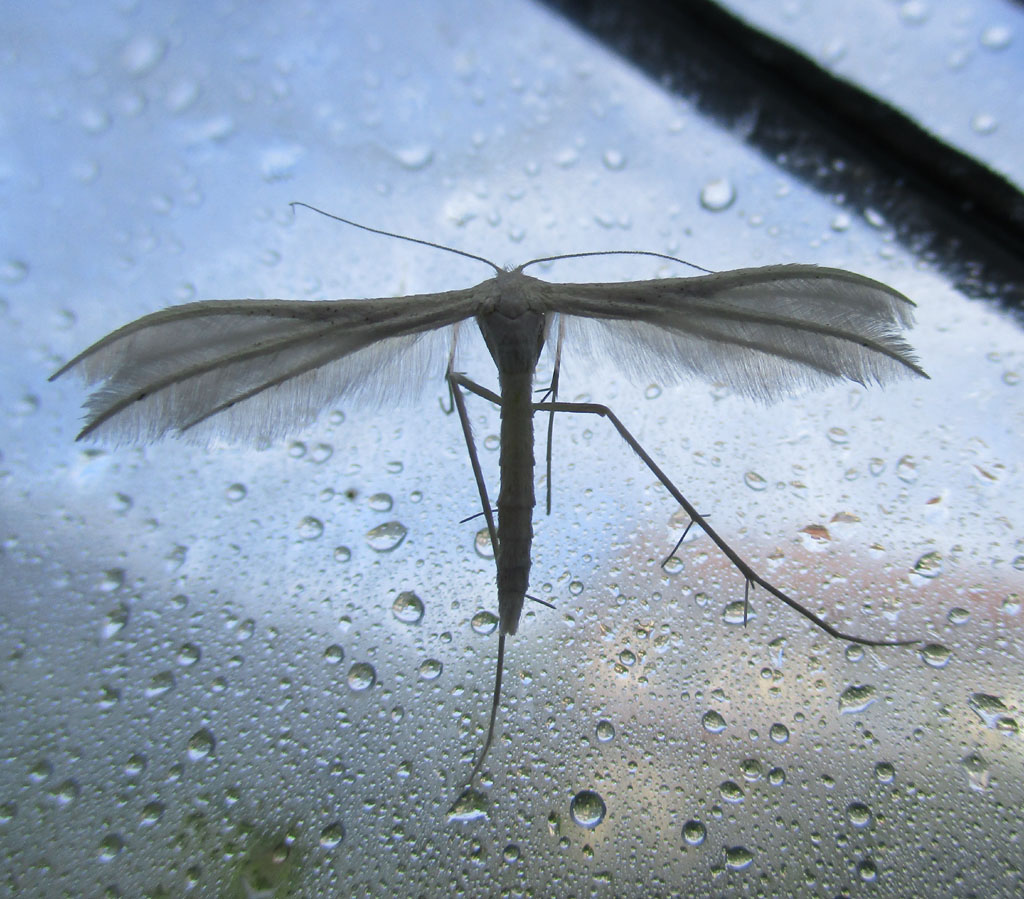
(777, 777)
(135, 765)
(159, 684)
(694, 833)
(414, 157)
(859, 814)
(484, 623)
(856, 699)
(361, 676)
(738, 612)
(381, 502)
(334, 654)
(115, 621)
(430, 669)
(936, 655)
(321, 453)
(342, 554)
(470, 806)
(188, 655)
(386, 537)
(482, 544)
(511, 853)
(332, 835)
(718, 195)
(109, 697)
(587, 809)
(778, 733)
(627, 658)
(930, 565)
(713, 722)
(142, 53)
(614, 160)
(996, 37)
(738, 858)
(605, 731)
(885, 772)
(958, 616)
(990, 709)
(652, 392)
(906, 470)
(279, 163)
(235, 492)
(754, 481)
(984, 123)
(731, 791)
(110, 847)
(66, 792)
(751, 770)
(977, 772)
(151, 813)
(13, 270)
(867, 871)
(310, 528)
(201, 744)
(408, 608)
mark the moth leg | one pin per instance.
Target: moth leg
(751, 576)
(457, 382)
(551, 394)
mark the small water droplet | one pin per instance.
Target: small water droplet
(996, 37)
(984, 123)
(587, 809)
(778, 733)
(414, 156)
(13, 270)
(977, 771)
(110, 847)
(381, 502)
(936, 655)
(627, 658)
(752, 770)
(115, 622)
(859, 814)
(430, 669)
(135, 765)
(334, 654)
(342, 554)
(958, 616)
(754, 481)
(361, 676)
(738, 612)
(310, 528)
(856, 699)
(66, 792)
(188, 655)
(777, 777)
(159, 684)
(151, 813)
(386, 537)
(235, 492)
(279, 163)
(867, 871)
(731, 791)
(484, 623)
(201, 744)
(142, 53)
(717, 195)
(885, 772)
(713, 722)
(694, 833)
(482, 544)
(332, 835)
(614, 160)
(408, 608)
(605, 731)
(930, 565)
(652, 392)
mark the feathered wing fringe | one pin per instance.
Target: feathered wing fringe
(763, 332)
(252, 370)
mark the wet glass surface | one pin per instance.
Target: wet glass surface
(243, 672)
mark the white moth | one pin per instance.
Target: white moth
(252, 370)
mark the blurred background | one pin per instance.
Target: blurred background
(236, 672)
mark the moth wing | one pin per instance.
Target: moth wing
(253, 370)
(763, 332)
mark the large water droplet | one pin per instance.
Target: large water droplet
(470, 806)
(386, 537)
(201, 744)
(713, 722)
(484, 623)
(694, 833)
(717, 195)
(310, 528)
(361, 676)
(856, 699)
(737, 858)
(332, 835)
(587, 809)
(408, 608)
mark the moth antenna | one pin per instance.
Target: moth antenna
(699, 268)
(426, 243)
